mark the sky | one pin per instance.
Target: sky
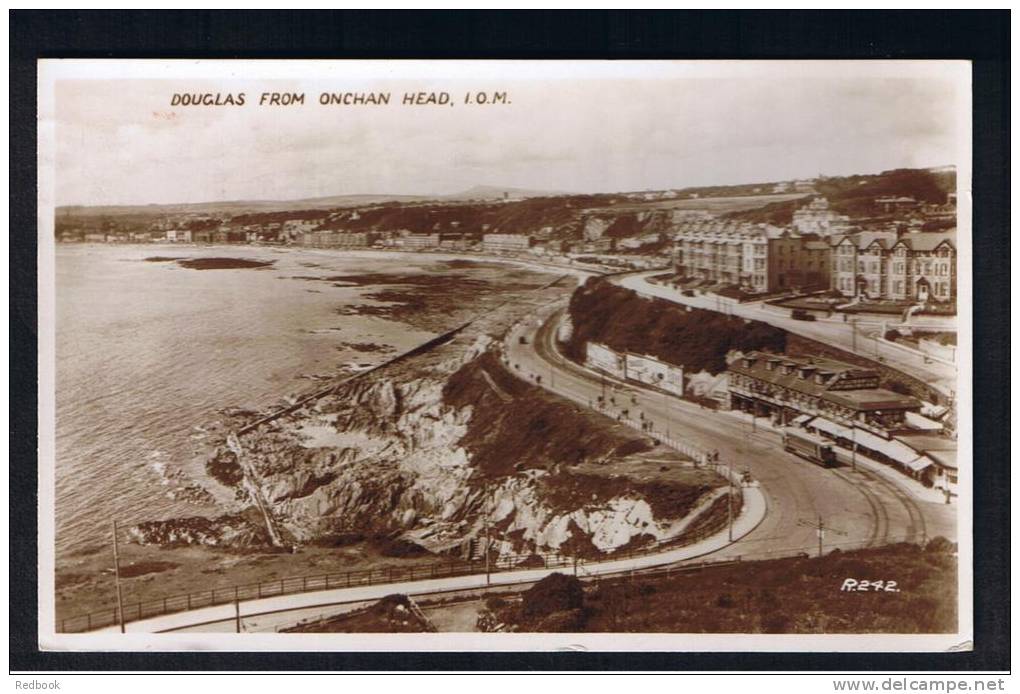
(120, 141)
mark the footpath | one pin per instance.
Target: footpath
(752, 513)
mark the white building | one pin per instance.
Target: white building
(506, 243)
(818, 218)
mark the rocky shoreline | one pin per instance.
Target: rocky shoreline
(422, 452)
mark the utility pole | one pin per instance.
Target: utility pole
(729, 497)
(665, 406)
(488, 570)
(853, 448)
(820, 529)
(116, 573)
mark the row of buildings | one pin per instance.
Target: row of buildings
(842, 402)
(760, 258)
(896, 258)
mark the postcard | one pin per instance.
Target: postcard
(380, 355)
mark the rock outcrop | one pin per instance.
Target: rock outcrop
(428, 451)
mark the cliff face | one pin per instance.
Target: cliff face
(429, 453)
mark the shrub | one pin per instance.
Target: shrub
(940, 545)
(554, 593)
(494, 602)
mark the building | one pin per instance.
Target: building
(419, 241)
(895, 204)
(788, 388)
(506, 243)
(723, 252)
(178, 235)
(939, 453)
(758, 258)
(337, 239)
(797, 262)
(818, 218)
(918, 267)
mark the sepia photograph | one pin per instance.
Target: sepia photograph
(505, 355)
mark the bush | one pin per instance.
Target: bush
(561, 621)
(554, 593)
(940, 545)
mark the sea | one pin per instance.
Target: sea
(147, 353)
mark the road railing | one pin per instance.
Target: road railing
(145, 609)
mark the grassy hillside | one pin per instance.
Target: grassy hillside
(781, 596)
(697, 339)
(855, 195)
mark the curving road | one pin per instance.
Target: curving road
(861, 508)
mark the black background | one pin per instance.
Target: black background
(980, 36)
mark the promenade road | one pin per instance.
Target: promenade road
(832, 331)
(861, 507)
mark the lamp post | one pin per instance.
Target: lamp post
(729, 497)
(488, 568)
(116, 573)
(853, 447)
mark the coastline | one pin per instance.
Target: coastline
(81, 574)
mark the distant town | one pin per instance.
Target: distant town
(819, 236)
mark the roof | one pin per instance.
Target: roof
(872, 399)
(946, 459)
(929, 241)
(919, 421)
(885, 239)
(927, 442)
(831, 428)
(890, 448)
(793, 380)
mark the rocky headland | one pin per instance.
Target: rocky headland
(426, 451)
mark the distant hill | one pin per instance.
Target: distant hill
(496, 193)
(855, 195)
(236, 207)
